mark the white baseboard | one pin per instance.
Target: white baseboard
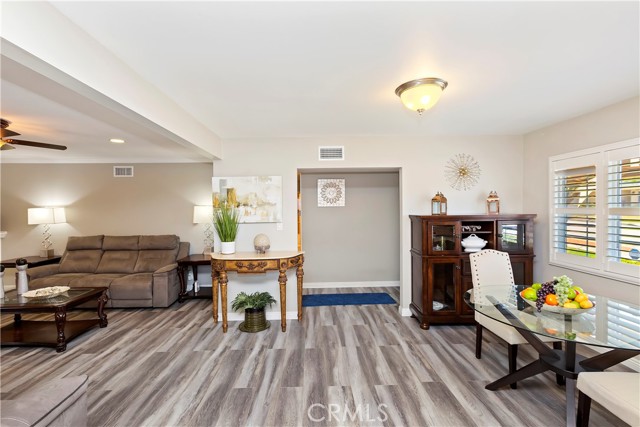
(405, 312)
(322, 285)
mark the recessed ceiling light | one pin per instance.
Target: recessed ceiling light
(117, 140)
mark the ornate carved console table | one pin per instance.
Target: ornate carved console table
(253, 263)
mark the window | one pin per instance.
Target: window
(595, 210)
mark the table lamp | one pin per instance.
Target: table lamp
(46, 216)
(203, 214)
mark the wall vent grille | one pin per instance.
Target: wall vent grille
(334, 152)
(123, 171)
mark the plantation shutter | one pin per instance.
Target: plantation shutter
(574, 206)
(623, 211)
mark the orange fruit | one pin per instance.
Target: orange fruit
(586, 304)
(551, 299)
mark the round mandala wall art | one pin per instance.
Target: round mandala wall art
(331, 192)
(462, 172)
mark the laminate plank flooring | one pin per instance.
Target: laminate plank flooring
(341, 366)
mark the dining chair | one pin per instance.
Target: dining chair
(618, 392)
(490, 267)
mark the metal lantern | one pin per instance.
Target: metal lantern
(439, 204)
(493, 203)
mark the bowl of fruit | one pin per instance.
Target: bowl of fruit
(558, 296)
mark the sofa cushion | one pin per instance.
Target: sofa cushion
(94, 280)
(120, 243)
(55, 280)
(165, 241)
(80, 261)
(132, 286)
(84, 242)
(117, 261)
(150, 261)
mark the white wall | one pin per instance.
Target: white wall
(617, 122)
(421, 162)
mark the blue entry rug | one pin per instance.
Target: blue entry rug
(317, 300)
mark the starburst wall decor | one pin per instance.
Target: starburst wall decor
(462, 172)
(331, 193)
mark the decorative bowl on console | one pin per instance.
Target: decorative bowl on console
(473, 243)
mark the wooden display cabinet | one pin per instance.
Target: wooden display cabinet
(440, 268)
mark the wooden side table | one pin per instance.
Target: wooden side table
(192, 261)
(252, 263)
(32, 261)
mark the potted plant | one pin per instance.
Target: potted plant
(226, 219)
(255, 319)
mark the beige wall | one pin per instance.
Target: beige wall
(159, 199)
(421, 162)
(366, 231)
(618, 122)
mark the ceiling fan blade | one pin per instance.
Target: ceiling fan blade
(6, 147)
(35, 144)
(5, 133)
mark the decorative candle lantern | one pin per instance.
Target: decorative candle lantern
(493, 203)
(439, 204)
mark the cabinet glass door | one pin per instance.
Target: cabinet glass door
(512, 237)
(443, 238)
(444, 277)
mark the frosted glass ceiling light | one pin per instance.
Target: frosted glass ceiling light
(421, 94)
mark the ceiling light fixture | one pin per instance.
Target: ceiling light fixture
(421, 94)
(117, 140)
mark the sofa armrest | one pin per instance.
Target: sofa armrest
(165, 269)
(62, 402)
(42, 271)
(166, 286)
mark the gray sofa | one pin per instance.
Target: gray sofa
(139, 271)
(58, 403)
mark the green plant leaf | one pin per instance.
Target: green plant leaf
(226, 220)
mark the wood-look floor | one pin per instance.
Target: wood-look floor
(343, 365)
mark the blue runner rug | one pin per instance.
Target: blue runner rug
(317, 300)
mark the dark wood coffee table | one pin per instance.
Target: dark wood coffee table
(45, 333)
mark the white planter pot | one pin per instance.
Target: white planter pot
(228, 247)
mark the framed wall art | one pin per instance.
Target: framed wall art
(331, 192)
(258, 198)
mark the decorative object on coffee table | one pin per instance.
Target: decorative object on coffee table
(226, 220)
(261, 243)
(254, 305)
(22, 285)
(462, 172)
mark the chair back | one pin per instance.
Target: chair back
(491, 268)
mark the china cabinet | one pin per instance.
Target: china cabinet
(440, 268)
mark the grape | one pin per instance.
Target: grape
(561, 288)
(546, 289)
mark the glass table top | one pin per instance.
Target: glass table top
(12, 299)
(610, 323)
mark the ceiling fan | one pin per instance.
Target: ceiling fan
(7, 143)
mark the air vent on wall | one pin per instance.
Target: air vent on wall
(331, 152)
(123, 171)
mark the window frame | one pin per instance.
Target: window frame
(598, 157)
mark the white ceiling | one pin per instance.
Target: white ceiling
(291, 69)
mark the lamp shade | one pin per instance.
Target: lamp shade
(46, 216)
(202, 214)
(421, 94)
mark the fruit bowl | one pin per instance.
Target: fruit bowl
(560, 310)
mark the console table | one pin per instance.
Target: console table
(252, 263)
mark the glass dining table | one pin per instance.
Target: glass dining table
(611, 325)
